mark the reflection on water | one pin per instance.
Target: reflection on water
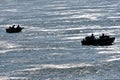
(49, 47)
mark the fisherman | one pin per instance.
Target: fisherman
(13, 26)
(18, 27)
(10, 27)
(92, 36)
(103, 36)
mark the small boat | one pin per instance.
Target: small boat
(102, 40)
(14, 30)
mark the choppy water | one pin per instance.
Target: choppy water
(49, 47)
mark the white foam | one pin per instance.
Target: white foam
(114, 59)
(10, 10)
(62, 66)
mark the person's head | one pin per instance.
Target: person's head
(103, 34)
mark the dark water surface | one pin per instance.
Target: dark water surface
(49, 47)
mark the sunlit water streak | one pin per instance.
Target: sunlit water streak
(49, 47)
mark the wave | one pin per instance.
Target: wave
(72, 71)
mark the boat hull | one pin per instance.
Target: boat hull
(103, 42)
(14, 30)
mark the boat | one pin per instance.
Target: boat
(13, 29)
(102, 40)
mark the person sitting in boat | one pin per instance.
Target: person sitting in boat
(13, 27)
(18, 27)
(92, 36)
(10, 27)
(104, 36)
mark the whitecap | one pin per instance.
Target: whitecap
(10, 10)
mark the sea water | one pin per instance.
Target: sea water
(49, 47)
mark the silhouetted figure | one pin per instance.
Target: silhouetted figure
(13, 26)
(18, 27)
(104, 36)
(92, 36)
(10, 27)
